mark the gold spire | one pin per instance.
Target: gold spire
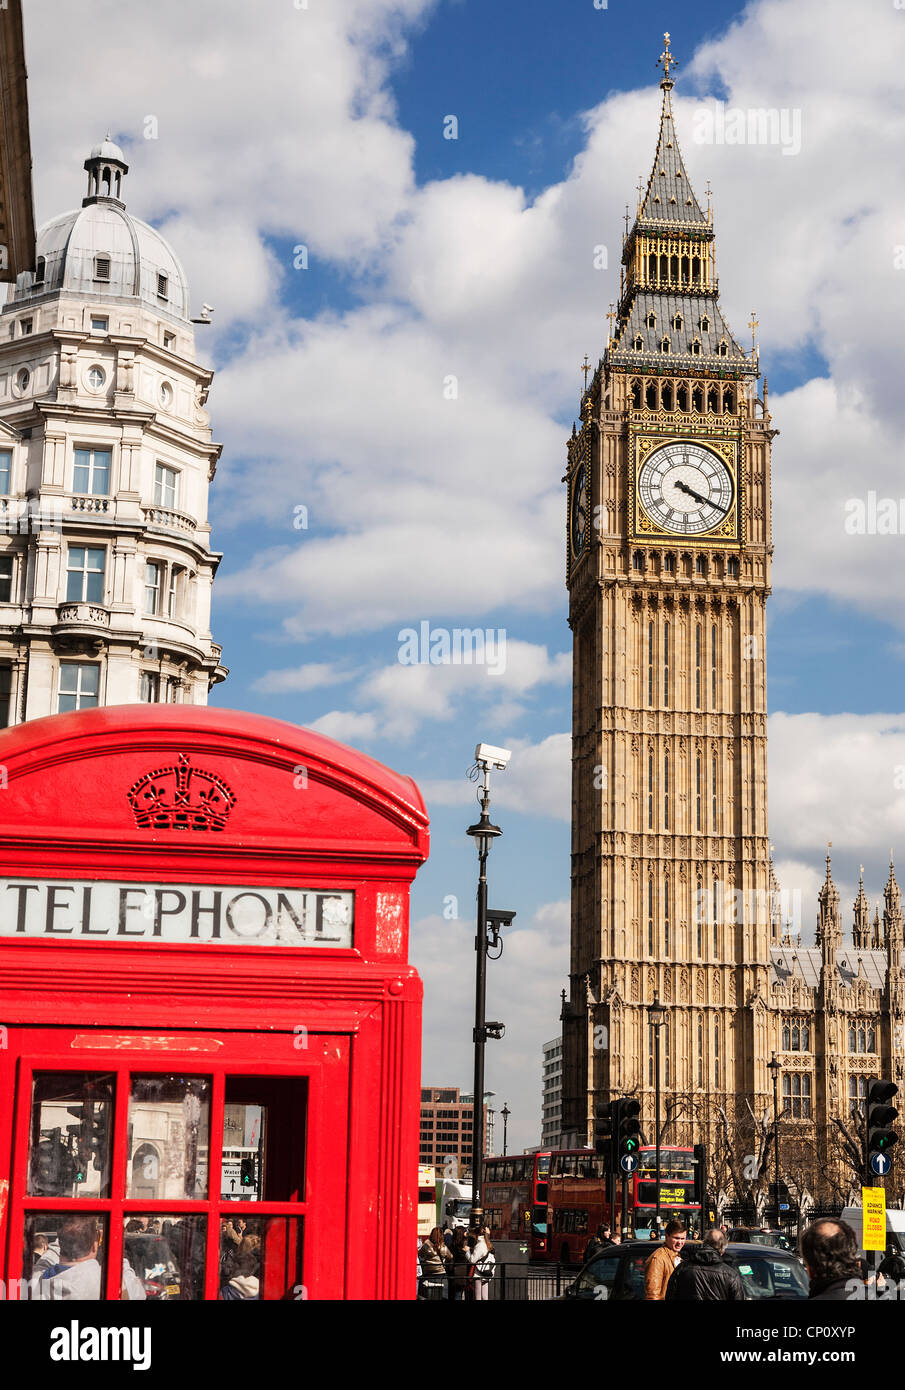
(586, 367)
(666, 61)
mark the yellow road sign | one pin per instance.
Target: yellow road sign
(874, 1202)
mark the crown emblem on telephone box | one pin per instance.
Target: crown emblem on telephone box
(181, 798)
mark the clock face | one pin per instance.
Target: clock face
(686, 488)
(578, 520)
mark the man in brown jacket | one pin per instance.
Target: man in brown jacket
(660, 1265)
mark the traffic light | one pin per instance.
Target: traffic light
(628, 1139)
(604, 1127)
(247, 1172)
(879, 1117)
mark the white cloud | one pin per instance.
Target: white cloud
(537, 781)
(311, 676)
(345, 727)
(522, 991)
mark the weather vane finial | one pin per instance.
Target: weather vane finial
(668, 61)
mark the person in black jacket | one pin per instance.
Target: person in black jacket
(598, 1243)
(830, 1253)
(704, 1275)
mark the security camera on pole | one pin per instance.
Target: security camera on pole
(488, 937)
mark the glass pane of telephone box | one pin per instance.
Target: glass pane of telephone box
(264, 1131)
(261, 1259)
(70, 1135)
(169, 1124)
(163, 1256)
(64, 1255)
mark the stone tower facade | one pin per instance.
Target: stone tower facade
(106, 459)
(669, 571)
(674, 898)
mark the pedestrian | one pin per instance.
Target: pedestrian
(659, 1266)
(434, 1259)
(830, 1252)
(597, 1243)
(704, 1275)
(483, 1262)
(458, 1282)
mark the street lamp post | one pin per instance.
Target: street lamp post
(657, 1016)
(483, 833)
(505, 1112)
(773, 1067)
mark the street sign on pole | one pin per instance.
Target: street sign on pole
(628, 1163)
(880, 1164)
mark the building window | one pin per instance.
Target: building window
(26, 326)
(716, 1053)
(638, 344)
(85, 576)
(666, 664)
(99, 324)
(669, 564)
(91, 473)
(697, 666)
(102, 267)
(650, 917)
(79, 684)
(23, 379)
(796, 1035)
(650, 663)
(6, 468)
(713, 919)
(723, 348)
(713, 666)
(697, 792)
(796, 1094)
(150, 688)
(153, 581)
(705, 324)
(174, 591)
(638, 561)
(666, 917)
(862, 1038)
(714, 819)
(40, 270)
(733, 567)
(96, 377)
(6, 578)
(700, 565)
(700, 1050)
(6, 687)
(652, 319)
(696, 347)
(857, 1095)
(650, 791)
(677, 321)
(666, 1053)
(666, 792)
(166, 482)
(163, 286)
(699, 916)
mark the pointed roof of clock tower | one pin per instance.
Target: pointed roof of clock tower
(669, 196)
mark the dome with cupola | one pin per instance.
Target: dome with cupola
(100, 250)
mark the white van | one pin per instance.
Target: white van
(895, 1226)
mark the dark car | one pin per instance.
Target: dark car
(750, 1235)
(618, 1273)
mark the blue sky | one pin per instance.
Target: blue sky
(471, 258)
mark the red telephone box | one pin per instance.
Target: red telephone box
(209, 1032)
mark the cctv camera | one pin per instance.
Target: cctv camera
(488, 756)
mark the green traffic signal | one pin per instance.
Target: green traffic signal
(879, 1116)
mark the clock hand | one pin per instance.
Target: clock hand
(691, 493)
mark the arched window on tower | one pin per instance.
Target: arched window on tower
(650, 396)
(715, 895)
(713, 667)
(695, 270)
(786, 1037)
(682, 396)
(700, 1049)
(716, 1053)
(685, 265)
(697, 792)
(650, 791)
(666, 396)
(733, 567)
(669, 564)
(674, 267)
(714, 819)
(695, 347)
(665, 345)
(638, 345)
(636, 392)
(712, 400)
(666, 917)
(852, 1038)
(666, 1053)
(652, 267)
(700, 565)
(697, 400)
(666, 665)
(871, 1040)
(650, 664)
(728, 402)
(105, 182)
(698, 645)
(723, 348)
(677, 321)
(664, 267)
(638, 562)
(651, 319)
(650, 918)
(699, 917)
(666, 792)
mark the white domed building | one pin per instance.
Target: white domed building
(106, 458)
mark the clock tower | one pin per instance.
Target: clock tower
(668, 570)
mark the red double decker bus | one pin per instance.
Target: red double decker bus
(515, 1204)
(578, 1201)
